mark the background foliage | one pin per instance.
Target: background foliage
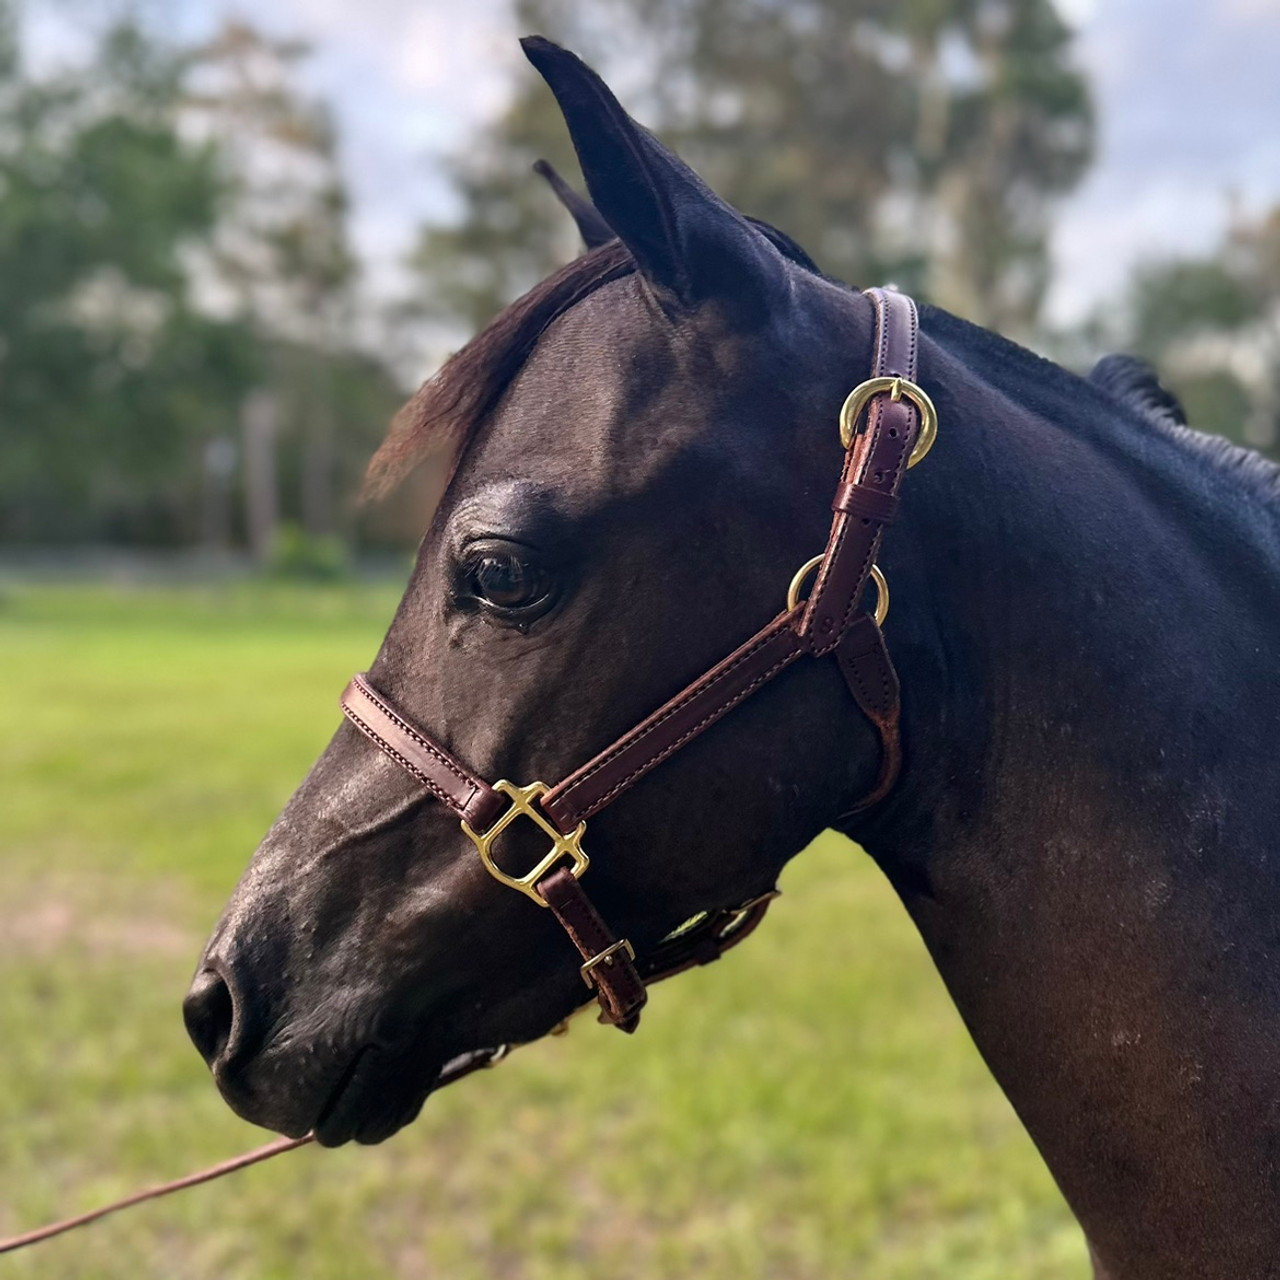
(919, 142)
(172, 238)
(191, 354)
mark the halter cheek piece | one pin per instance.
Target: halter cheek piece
(887, 424)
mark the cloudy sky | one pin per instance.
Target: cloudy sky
(1188, 90)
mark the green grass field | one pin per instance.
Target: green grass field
(810, 1107)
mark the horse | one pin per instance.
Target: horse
(1085, 619)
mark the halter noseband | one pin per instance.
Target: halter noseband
(898, 430)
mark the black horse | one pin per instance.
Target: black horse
(1086, 618)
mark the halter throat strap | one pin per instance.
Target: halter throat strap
(887, 425)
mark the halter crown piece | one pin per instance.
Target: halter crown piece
(887, 425)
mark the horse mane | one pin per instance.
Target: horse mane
(456, 399)
(1136, 383)
(1059, 394)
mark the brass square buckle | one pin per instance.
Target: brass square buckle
(605, 957)
(562, 846)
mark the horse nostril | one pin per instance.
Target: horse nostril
(209, 1012)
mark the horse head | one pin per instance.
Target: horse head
(645, 448)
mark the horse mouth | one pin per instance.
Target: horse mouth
(372, 1076)
(372, 1099)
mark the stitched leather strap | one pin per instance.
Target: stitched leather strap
(445, 777)
(695, 708)
(608, 965)
(875, 463)
(868, 671)
(865, 501)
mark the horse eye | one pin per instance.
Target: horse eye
(505, 582)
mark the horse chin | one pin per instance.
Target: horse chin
(381, 1091)
(378, 1094)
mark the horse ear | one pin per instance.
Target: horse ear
(594, 230)
(690, 246)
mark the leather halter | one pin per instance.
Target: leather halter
(897, 430)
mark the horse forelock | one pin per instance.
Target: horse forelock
(449, 406)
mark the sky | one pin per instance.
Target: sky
(1188, 93)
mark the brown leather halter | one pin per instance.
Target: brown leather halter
(887, 424)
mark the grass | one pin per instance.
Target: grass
(810, 1107)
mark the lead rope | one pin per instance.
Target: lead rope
(453, 1070)
(698, 941)
(279, 1147)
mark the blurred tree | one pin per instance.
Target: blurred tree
(920, 140)
(108, 375)
(1212, 328)
(173, 238)
(281, 250)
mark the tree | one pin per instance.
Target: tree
(281, 249)
(173, 239)
(920, 141)
(1016, 131)
(1212, 327)
(108, 375)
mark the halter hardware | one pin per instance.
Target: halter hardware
(863, 394)
(882, 587)
(605, 957)
(562, 846)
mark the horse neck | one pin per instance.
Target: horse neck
(1082, 830)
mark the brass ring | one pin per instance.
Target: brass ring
(863, 394)
(882, 588)
(793, 591)
(882, 594)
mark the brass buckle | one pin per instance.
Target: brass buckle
(605, 957)
(562, 846)
(865, 392)
(882, 587)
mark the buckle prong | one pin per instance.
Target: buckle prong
(606, 958)
(863, 394)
